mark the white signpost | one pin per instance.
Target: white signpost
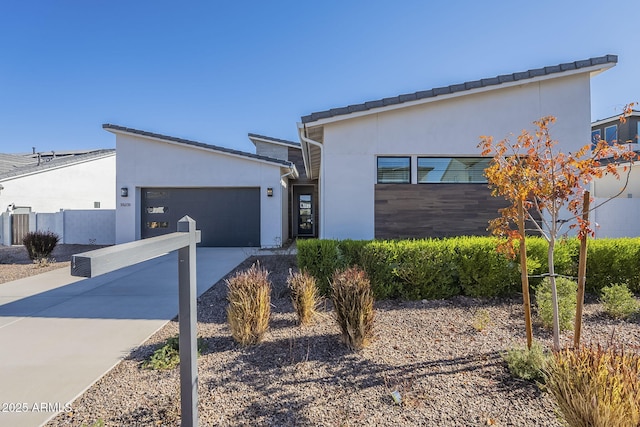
(105, 260)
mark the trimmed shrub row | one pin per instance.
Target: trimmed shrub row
(441, 268)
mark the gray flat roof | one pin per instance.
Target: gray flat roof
(117, 128)
(475, 84)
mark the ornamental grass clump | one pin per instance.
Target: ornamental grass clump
(305, 296)
(353, 305)
(595, 386)
(249, 296)
(618, 301)
(40, 244)
(567, 291)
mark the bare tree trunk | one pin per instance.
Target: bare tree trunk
(554, 295)
(526, 300)
(582, 274)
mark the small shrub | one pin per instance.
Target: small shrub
(249, 296)
(618, 301)
(593, 386)
(528, 364)
(481, 320)
(353, 305)
(567, 291)
(168, 356)
(40, 244)
(304, 296)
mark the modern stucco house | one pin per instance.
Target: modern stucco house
(404, 166)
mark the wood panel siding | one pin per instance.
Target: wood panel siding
(433, 210)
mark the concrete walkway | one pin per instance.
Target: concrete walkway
(59, 334)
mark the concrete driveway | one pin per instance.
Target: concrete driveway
(59, 334)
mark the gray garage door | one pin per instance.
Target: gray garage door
(226, 216)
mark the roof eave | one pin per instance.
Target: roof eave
(592, 70)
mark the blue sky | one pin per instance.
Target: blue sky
(214, 71)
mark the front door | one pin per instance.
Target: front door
(305, 214)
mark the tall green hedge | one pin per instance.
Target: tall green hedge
(441, 268)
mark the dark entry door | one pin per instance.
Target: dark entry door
(305, 214)
(227, 217)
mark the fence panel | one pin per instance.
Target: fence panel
(19, 228)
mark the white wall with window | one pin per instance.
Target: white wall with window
(439, 140)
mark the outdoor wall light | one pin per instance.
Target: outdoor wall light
(269, 192)
(124, 192)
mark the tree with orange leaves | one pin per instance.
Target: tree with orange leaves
(541, 183)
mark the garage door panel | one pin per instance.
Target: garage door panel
(226, 216)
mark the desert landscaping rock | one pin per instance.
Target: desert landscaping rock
(446, 371)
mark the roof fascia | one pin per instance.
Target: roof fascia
(271, 141)
(614, 119)
(592, 70)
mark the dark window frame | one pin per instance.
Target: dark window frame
(383, 181)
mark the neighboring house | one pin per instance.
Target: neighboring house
(71, 193)
(618, 217)
(405, 166)
(613, 130)
(409, 166)
(53, 181)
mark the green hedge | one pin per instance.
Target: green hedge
(441, 268)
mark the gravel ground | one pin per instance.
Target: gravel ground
(448, 372)
(15, 263)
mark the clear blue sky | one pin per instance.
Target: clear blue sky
(213, 70)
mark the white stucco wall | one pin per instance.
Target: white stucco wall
(75, 186)
(442, 127)
(616, 218)
(152, 163)
(608, 186)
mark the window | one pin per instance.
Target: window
(157, 224)
(157, 209)
(96, 205)
(452, 169)
(394, 170)
(596, 136)
(611, 134)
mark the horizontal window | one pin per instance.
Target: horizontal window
(158, 224)
(394, 170)
(156, 194)
(157, 209)
(452, 169)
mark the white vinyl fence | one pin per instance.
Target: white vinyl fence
(85, 227)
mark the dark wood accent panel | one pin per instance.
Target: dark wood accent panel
(434, 210)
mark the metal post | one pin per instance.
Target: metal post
(187, 292)
(105, 260)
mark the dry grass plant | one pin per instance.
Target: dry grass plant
(249, 309)
(596, 386)
(305, 296)
(353, 306)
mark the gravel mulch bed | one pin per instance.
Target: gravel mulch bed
(15, 263)
(448, 372)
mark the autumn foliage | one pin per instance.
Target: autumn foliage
(545, 179)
